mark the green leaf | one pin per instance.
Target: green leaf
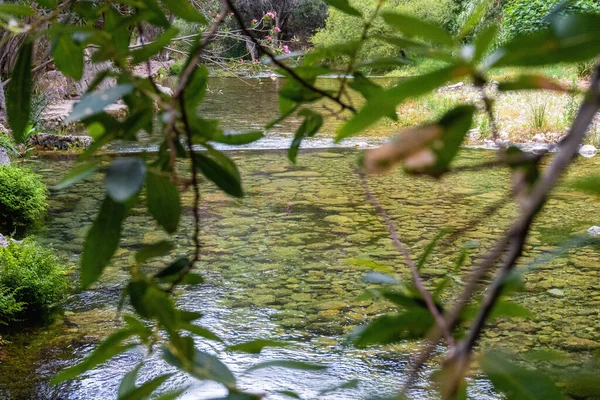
(128, 390)
(200, 331)
(287, 364)
(184, 10)
(420, 49)
(516, 382)
(192, 279)
(80, 172)
(412, 26)
(238, 138)
(570, 38)
(365, 86)
(101, 241)
(475, 17)
(150, 49)
(68, 56)
(256, 346)
(531, 82)
(413, 324)
(163, 201)
(153, 250)
(430, 247)
(329, 52)
(218, 168)
(173, 270)
(95, 102)
(351, 384)
(344, 6)
(589, 184)
(386, 103)
(128, 382)
(313, 121)
(109, 348)
(483, 41)
(18, 93)
(16, 10)
(124, 178)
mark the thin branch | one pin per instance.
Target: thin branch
(418, 281)
(282, 65)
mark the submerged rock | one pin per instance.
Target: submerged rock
(594, 231)
(46, 141)
(588, 151)
(556, 293)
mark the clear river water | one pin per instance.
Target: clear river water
(286, 262)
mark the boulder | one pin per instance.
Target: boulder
(46, 141)
(594, 231)
(3, 241)
(588, 151)
(4, 157)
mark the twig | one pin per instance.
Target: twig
(439, 319)
(282, 65)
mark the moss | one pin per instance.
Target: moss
(22, 199)
(32, 283)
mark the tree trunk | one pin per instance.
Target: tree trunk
(3, 116)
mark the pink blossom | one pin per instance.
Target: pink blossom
(255, 61)
(286, 49)
(254, 21)
(270, 15)
(241, 60)
(268, 37)
(277, 29)
(232, 14)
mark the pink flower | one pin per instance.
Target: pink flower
(277, 29)
(232, 14)
(270, 15)
(254, 21)
(286, 49)
(268, 37)
(255, 61)
(241, 60)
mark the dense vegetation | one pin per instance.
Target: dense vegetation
(22, 199)
(32, 284)
(425, 150)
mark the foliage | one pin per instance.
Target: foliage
(521, 17)
(32, 283)
(22, 198)
(360, 31)
(343, 28)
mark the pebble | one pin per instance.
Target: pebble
(588, 151)
(594, 231)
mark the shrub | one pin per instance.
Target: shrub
(527, 16)
(340, 27)
(22, 199)
(176, 68)
(32, 283)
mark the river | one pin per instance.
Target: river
(285, 263)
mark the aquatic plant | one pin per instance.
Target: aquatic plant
(22, 199)
(32, 284)
(421, 311)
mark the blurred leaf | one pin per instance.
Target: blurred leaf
(145, 390)
(531, 82)
(412, 324)
(483, 41)
(330, 52)
(195, 91)
(289, 364)
(80, 172)
(153, 250)
(256, 346)
(351, 384)
(238, 138)
(16, 10)
(124, 178)
(184, 10)
(516, 382)
(365, 86)
(102, 241)
(200, 331)
(172, 272)
(589, 184)
(109, 348)
(412, 26)
(163, 201)
(18, 93)
(313, 121)
(378, 277)
(94, 103)
(400, 299)
(344, 6)
(128, 382)
(386, 103)
(68, 56)
(192, 279)
(420, 49)
(289, 393)
(475, 17)
(150, 49)
(430, 247)
(570, 38)
(220, 170)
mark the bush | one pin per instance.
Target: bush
(32, 283)
(22, 199)
(527, 16)
(341, 28)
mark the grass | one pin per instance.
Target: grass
(538, 116)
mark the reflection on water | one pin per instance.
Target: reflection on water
(283, 263)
